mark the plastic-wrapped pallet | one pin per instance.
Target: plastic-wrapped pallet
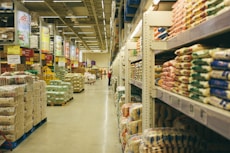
(60, 72)
(59, 92)
(12, 111)
(77, 80)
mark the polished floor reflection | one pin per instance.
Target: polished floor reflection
(87, 124)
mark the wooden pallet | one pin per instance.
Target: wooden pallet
(79, 91)
(59, 104)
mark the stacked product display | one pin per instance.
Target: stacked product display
(39, 101)
(89, 78)
(59, 92)
(77, 80)
(136, 71)
(60, 72)
(22, 104)
(12, 111)
(199, 72)
(158, 72)
(48, 75)
(130, 122)
(187, 14)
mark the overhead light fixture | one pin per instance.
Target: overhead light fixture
(156, 2)
(102, 4)
(68, 33)
(67, 1)
(78, 17)
(85, 32)
(32, 1)
(61, 26)
(82, 26)
(89, 37)
(49, 16)
(91, 41)
(137, 29)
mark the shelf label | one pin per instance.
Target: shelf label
(203, 116)
(13, 50)
(176, 102)
(13, 59)
(191, 110)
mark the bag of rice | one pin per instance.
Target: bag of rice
(201, 68)
(220, 65)
(220, 93)
(201, 76)
(202, 61)
(221, 103)
(200, 84)
(217, 83)
(220, 74)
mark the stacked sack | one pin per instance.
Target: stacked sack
(199, 88)
(179, 13)
(189, 13)
(168, 75)
(28, 109)
(59, 92)
(170, 140)
(12, 111)
(60, 72)
(158, 72)
(77, 81)
(183, 70)
(160, 33)
(220, 79)
(130, 122)
(39, 101)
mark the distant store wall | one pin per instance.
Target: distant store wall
(102, 60)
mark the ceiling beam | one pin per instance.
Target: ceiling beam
(61, 19)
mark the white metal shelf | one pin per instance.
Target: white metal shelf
(136, 83)
(135, 59)
(210, 28)
(210, 116)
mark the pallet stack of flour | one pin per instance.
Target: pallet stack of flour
(59, 92)
(77, 80)
(22, 104)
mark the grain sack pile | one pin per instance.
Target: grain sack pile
(12, 111)
(60, 72)
(77, 80)
(168, 76)
(130, 122)
(59, 92)
(220, 79)
(170, 140)
(183, 70)
(199, 88)
(189, 13)
(39, 101)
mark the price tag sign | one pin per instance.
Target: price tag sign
(13, 50)
(13, 59)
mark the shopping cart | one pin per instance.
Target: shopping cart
(3, 140)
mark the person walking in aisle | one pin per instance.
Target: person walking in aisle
(109, 76)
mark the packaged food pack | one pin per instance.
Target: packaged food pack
(202, 61)
(217, 83)
(221, 103)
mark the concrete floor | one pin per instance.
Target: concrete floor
(87, 124)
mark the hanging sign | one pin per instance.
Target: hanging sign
(13, 59)
(61, 61)
(67, 49)
(45, 39)
(23, 29)
(58, 46)
(13, 50)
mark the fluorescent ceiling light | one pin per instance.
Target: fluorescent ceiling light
(72, 16)
(137, 29)
(85, 32)
(102, 4)
(67, 1)
(59, 30)
(103, 15)
(82, 26)
(89, 37)
(68, 32)
(61, 26)
(155, 2)
(91, 41)
(33, 1)
(78, 41)
(49, 16)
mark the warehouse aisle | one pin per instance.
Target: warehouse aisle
(86, 125)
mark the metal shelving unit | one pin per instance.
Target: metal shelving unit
(210, 116)
(150, 19)
(136, 83)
